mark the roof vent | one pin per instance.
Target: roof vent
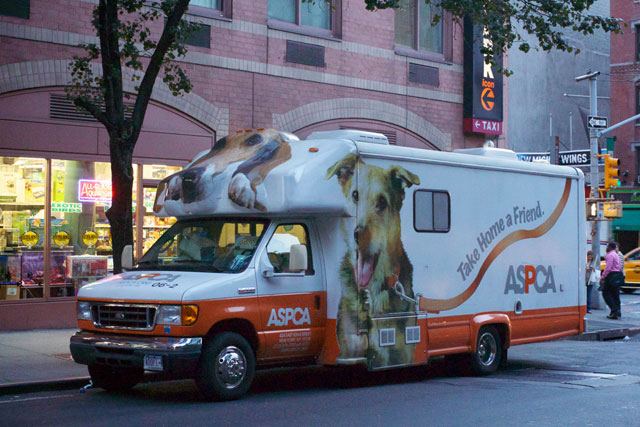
(496, 153)
(353, 135)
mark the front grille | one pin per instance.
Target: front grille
(124, 316)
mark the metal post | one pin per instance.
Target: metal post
(595, 178)
(570, 131)
(593, 139)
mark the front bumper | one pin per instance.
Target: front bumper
(179, 355)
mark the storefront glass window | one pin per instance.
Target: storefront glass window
(80, 246)
(152, 226)
(80, 236)
(22, 191)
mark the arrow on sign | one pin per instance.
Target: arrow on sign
(597, 122)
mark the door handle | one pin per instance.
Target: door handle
(317, 302)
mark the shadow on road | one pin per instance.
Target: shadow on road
(313, 379)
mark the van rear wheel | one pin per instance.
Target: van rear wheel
(226, 367)
(488, 355)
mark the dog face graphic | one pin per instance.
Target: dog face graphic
(239, 162)
(378, 200)
(377, 261)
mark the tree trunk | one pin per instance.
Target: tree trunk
(120, 214)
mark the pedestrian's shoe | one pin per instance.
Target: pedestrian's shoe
(613, 316)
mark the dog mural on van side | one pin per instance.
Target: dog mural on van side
(253, 155)
(375, 260)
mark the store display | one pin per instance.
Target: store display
(86, 266)
(10, 269)
(61, 239)
(29, 239)
(89, 238)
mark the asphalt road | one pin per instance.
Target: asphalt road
(547, 384)
(557, 383)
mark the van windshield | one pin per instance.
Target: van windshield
(215, 245)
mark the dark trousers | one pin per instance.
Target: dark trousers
(589, 289)
(611, 291)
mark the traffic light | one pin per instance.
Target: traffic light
(592, 210)
(611, 172)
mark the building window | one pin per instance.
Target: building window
(637, 28)
(17, 8)
(201, 37)
(314, 17)
(211, 8)
(211, 4)
(415, 34)
(432, 211)
(637, 101)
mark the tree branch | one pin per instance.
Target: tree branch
(153, 69)
(108, 25)
(93, 109)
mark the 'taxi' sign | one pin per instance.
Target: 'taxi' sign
(482, 86)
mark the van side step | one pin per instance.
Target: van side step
(351, 361)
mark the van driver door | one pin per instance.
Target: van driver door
(292, 303)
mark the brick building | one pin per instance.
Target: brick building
(254, 63)
(625, 103)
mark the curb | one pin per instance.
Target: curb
(47, 385)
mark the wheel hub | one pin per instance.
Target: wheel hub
(487, 349)
(231, 366)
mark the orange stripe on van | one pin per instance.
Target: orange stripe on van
(437, 305)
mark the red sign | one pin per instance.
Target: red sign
(490, 127)
(92, 191)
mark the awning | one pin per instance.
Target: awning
(630, 220)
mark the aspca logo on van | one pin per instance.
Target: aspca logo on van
(520, 280)
(281, 317)
(151, 276)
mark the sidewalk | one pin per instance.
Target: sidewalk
(40, 360)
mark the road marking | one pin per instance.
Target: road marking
(36, 398)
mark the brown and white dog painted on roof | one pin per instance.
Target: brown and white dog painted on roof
(253, 155)
(378, 260)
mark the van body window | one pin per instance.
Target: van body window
(431, 211)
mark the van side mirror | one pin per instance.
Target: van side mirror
(298, 258)
(266, 269)
(127, 257)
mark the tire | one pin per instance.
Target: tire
(226, 367)
(115, 379)
(488, 355)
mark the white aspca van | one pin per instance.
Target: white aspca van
(340, 249)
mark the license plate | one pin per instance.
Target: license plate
(152, 362)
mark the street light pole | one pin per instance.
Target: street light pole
(593, 139)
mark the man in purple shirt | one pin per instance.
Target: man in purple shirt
(613, 279)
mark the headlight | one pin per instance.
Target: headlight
(84, 310)
(181, 315)
(169, 315)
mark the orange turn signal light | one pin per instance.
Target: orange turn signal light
(189, 314)
(313, 149)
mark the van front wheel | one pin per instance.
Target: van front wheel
(486, 359)
(226, 367)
